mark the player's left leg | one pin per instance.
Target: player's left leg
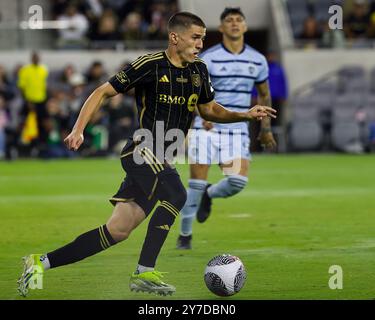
(234, 159)
(236, 178)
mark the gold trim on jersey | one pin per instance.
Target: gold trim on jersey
(122, 199)
(149, 162)
(153, 188)
(143, 109)
(170, 61)
(148, 59)
(199, 60)
(145, 57)
(126, 154)
(155, 161)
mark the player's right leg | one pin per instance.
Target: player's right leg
(197, 187)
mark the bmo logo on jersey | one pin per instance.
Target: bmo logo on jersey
(191, 102)
(166, 98)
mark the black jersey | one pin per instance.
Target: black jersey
(165, 92)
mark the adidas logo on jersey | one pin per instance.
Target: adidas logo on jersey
(164, 79)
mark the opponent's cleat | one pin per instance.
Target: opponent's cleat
(31, 267)
(184, 242)
(204, 209)
(150, 282)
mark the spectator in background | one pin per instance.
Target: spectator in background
(311, 33)
(32, 81)
(93, 9)
(372, 136)
(78, 83)
(57, 130)
(357, 22)
(73, 35)
(96, 138)
(157, 29)
(3, 124)
(95, 75)
(59, 7)
(333, 38)
(6, 88)
(278, 84)
(133, 6)
(372, 21)
(133, 30)
(107, 27)
(122, 112)
(59, 80)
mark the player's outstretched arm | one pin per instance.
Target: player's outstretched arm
(75, 139)
(215, 112)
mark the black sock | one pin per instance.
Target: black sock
(87, 244)
(157, 231)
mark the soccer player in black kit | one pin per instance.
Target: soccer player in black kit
(169, 87)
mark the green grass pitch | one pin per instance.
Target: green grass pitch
(299, 215)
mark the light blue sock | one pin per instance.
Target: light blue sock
(228, 186)
(188, 212)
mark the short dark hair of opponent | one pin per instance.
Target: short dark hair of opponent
(229, 10)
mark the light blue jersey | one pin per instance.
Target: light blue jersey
(233, 77)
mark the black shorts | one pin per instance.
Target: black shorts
(140, 184)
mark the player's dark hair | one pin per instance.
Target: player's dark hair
(184, 20)
(230, 10)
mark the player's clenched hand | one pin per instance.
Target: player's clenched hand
(74, 140)
(258, 112)
(267, 140)
(207, 125)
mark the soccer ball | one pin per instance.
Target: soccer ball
(225, 275)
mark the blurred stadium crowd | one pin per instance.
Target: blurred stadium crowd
(309, 19)
(38, 108)
(103, 24)
(39, 104)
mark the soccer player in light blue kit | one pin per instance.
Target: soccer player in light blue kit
(234, 69)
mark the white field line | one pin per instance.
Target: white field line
(310, 192)
(54, 198)
(240, 215)
(267, 193)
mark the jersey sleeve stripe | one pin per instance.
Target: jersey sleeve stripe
(146, 61)
(144, 57)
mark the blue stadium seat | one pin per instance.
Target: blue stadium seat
(346, 136)
(305, 136)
